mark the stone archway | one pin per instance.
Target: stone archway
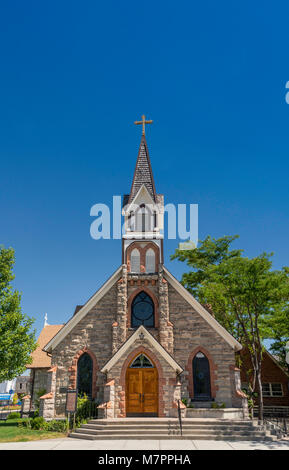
(161, 380)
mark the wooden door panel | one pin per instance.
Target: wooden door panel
(150, 391)
(142, 391)
(134, 391)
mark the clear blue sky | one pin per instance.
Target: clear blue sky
(75, 75)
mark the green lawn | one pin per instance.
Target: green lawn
(10, 432)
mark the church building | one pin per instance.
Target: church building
(142, 342)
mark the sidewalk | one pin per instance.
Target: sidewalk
(78, 444)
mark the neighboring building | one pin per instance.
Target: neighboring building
(22, 384)
(141, 342)
(41, 362)
(275, 379)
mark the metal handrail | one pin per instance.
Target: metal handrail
(180, 417)
(283, 430)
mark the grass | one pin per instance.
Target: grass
(10, 432)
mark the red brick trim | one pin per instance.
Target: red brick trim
(110, 383)
(175, 405)
(73, 370)
(106, 405)
(154, 299)
(47, 395)
(233, 367)
(161, 380)
(213, 371)
(142, 252)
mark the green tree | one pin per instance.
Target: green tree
(277, 329)
(244, 293)
(17, 341)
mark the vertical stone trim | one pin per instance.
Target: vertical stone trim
(177, 387)
(239, 399)
(166, 336)
(106, 409)
(121, 319)
(25, 406)
(47, 401)
(114, 335)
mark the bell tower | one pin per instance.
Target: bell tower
(143, 211)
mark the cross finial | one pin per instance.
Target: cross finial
(143, 122)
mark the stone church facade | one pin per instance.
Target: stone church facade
(142, 342)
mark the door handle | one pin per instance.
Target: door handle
(143, 397)
(140, 397)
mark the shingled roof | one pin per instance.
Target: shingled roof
(143, 172)
(39, 357)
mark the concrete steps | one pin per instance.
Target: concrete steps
(165, 428)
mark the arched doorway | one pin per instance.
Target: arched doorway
(141, 387)
(201, 377)
(84, 375)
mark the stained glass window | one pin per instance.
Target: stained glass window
(201, 377)
(141, 362)
(150, 261)
(135, 261)
(142, 311)
(84, 375)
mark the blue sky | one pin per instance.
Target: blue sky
(74, 77)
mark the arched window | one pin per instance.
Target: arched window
(84, 375)
(142, 362)
(145, 218)
(150, 261)
(135, 261)
(201, 377)
(142, 311)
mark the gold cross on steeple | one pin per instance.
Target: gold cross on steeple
(143, 122)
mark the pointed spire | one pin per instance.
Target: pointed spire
(143, 172)
(45, 320)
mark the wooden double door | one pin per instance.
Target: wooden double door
(142, 392)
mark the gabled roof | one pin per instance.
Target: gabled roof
(143, 194)
(83, 311)
(65, 330)
(146, 335)
(143, 172)
(39, 357)
(202, 311)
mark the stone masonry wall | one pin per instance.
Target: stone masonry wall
(180, 330)
(93, 332)
(191, 331)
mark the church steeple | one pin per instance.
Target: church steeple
(143, 210)
(143, 174)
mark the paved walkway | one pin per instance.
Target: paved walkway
(79, 444)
